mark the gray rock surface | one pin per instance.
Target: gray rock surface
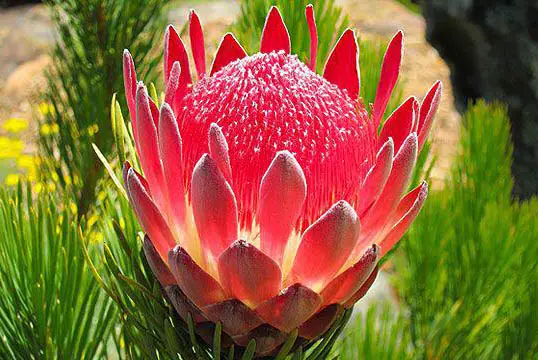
(379, 20)
(7, 3)
(26, 32)
(492, 49)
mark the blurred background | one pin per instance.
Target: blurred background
(464, 281)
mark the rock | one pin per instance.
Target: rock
(26, 32)
(220, 11)
(492, 49)
(216, 17)
(422, 65)
(27, 79)
(7, 3)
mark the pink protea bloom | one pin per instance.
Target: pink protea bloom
(269, 196)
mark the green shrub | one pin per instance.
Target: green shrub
(379, 333)
(519, 339)
(86, 71)
(51, 307)
(468, 266)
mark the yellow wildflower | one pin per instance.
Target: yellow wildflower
(15, 125)
(73, 207)
(31, 176)
(38, 188)
(27, 162)
(96, 238)
(92, 220)
(9, 148)
(47, 129)
(46, 108)
(102, 196)
(12, 179)
(92, 130)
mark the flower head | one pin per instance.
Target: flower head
(268, 195)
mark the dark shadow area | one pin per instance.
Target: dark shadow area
(10, 3)
(491, 47)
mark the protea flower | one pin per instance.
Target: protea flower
(269, 194)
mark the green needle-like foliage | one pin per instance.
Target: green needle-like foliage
(86, 71)
(51, 307)
(468, 270)
(379, 333)
(519, 340)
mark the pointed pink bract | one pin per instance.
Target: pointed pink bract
(292, 307)
(312, 29)
(363, 290)
(197, 284)
(326, 245)
(148, 147)
(125, 174)
(173, 84)
(157, 264)
(218, 149)
(248, 274)
(214, 207)
(183, 305)
(229, 50)
(174, 50)
(428, 108)
(342, 67)
(170, 150)
(397, 182)
(129, 82)
(350, 281)
(149, 215)
(236, 318)
(282, 194)
(377, 176)
(275, 36)
(389, 75)
(321, 322)
(406, 212)
(400, 123)
(196, 35)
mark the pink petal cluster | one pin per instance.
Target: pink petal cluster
(268, 194)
